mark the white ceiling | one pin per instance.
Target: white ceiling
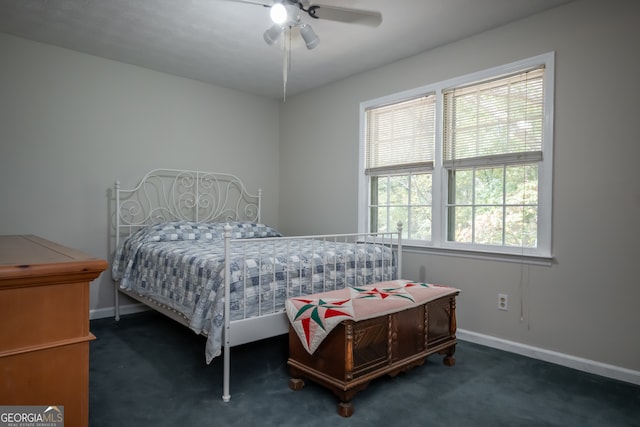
(220, 41)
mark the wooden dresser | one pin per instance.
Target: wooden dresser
(44, 325)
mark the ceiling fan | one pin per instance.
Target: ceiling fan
(287, 15)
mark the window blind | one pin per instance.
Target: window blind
(400, 137)
(496, 121)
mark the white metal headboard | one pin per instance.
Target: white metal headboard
(171, 194)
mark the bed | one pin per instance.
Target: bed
(192, 246)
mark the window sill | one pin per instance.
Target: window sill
(488, 256)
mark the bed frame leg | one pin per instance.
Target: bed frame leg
(227, 313)
(226, 396)
(117, 301)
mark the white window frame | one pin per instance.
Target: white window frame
(439, 242)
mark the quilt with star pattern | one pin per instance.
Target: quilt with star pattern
(313, 317)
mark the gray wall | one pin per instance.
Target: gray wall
(71, 124)
(585, 304)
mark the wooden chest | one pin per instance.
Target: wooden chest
(355, 353)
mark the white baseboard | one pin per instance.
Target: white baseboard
(102, 313)
(581, 364)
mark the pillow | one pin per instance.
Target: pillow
(207, 231)
(252, 230)
(183, 230)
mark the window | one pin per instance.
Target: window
(399, 162)
(464, 164)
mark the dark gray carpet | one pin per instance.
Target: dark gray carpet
(146, 370)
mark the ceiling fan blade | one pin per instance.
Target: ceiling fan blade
(342, 14)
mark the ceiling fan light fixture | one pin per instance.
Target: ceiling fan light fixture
(286, 17)
(272, 34)
(278, 13)
(309, 36)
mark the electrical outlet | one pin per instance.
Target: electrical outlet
(503, 302)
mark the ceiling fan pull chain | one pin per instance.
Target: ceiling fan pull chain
(286, 58)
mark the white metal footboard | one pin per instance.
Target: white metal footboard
(274, 321)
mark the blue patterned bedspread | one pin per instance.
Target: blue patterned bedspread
(181, 265)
